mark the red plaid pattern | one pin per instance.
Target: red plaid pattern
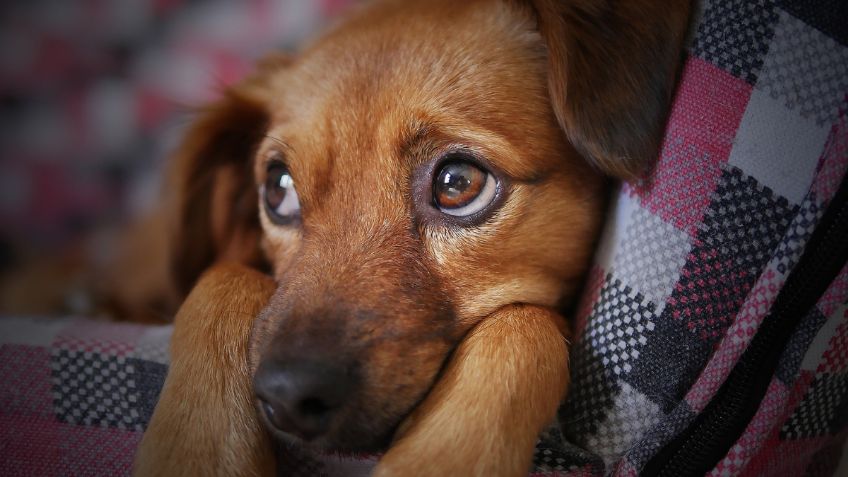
(754, 151)
(71, 401)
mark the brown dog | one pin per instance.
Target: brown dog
(423, 182)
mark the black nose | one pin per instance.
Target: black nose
(301, 397)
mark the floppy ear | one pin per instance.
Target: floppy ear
(215, 214)
(611, 71)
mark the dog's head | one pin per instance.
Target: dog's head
(417, 168)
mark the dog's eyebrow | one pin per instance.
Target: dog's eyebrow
(283, 144)
(421, 139)
(414, 138)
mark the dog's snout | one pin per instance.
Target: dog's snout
(302, 398)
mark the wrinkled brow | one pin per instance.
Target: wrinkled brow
(415, 139)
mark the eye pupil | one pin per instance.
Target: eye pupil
(455, 184)
(276, 185)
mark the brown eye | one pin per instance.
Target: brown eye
(279, 195)
(461, 188)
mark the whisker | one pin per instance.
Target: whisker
(279, 141)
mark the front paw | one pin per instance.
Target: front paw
(501, 387)
(205, 422)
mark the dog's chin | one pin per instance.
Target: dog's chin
(348, 439)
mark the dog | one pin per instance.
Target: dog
(423, 185)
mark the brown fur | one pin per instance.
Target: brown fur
(507, 393)
(612, 66)
(207, 425)
(361, 244)
(451, 329)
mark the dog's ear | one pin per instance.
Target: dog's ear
(611, 71)
(215, 211)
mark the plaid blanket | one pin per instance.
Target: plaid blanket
(691, 262)
(694, 257)
(76, 395)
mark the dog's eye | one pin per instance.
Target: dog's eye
(279, 194)
(461, 188)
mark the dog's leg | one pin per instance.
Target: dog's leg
(205, 423)
(501, 387)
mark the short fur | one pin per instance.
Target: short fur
(205, 423)
(452, 330)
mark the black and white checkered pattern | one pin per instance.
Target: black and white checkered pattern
(93, 389)
(824, 409)
(806, 70)
(735, 35)
(739, 233)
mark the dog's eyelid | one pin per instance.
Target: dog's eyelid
(266, 158)
(487, 160)
(273, 157)
(271, 152)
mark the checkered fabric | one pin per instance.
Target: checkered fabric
(76, 395)
(691, 262)
(94, 95)
(694, 256)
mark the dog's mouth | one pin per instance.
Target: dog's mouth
(348, 436)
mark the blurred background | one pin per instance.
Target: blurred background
(94, 95)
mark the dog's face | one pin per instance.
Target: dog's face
(413, 180)
(410, 175)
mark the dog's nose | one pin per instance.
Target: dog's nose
(301, 398)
